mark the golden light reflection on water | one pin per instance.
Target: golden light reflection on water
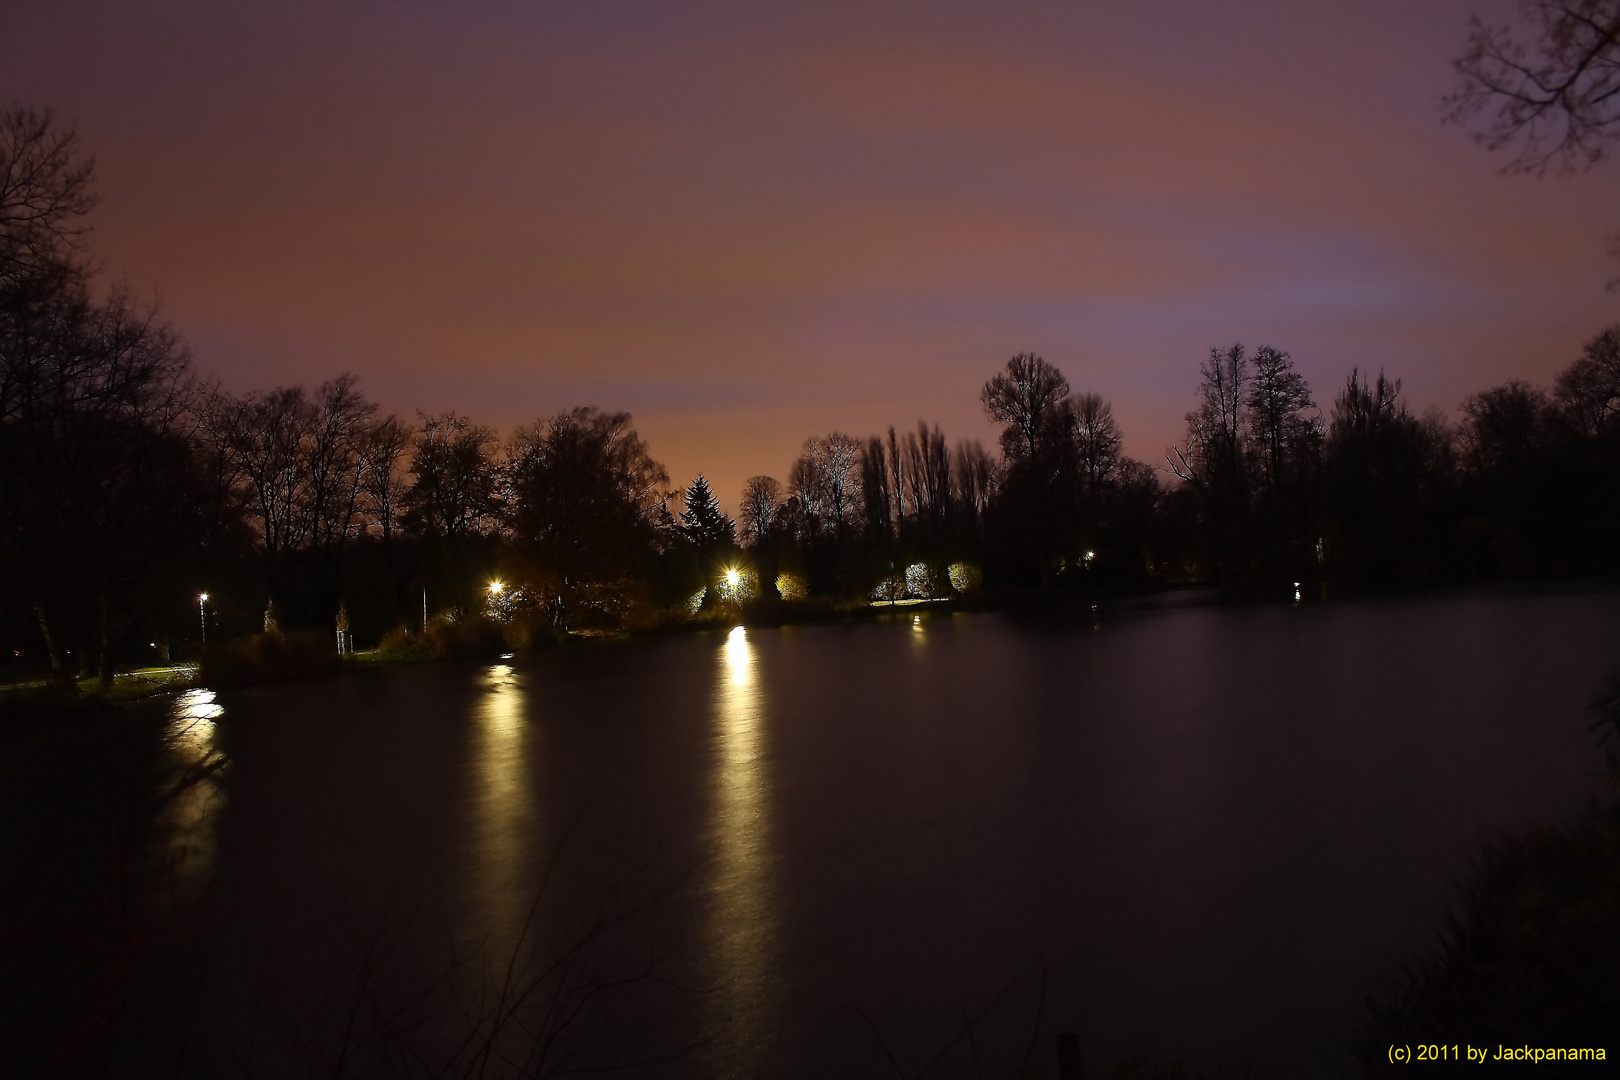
(189, 822)
(742, 928)
(502, 804)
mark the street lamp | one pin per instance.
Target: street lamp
(202, 615)
(496, 587)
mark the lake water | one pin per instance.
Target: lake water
(1208, 831)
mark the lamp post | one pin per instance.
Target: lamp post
(202, 615)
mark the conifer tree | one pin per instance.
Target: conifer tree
(702, 523)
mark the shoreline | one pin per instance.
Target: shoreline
(27, 703)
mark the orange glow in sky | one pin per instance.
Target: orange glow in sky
(748, 224)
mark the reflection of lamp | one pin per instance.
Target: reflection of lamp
(741, 946)
(202, 616)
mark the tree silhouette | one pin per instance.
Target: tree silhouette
(456, 479)
(1589, 389)
(826, 480)
(1212, 457)
(1096, 441)
(585, 500)
(381, 483)
(702, 523)
(1282, 435)
(928, 478)
(1552, 98)
(334, 459)
(877, 500)
(1026, 398)
(100, 497)
(759, 509)
(46, 191)
(974, 477)
(1386, 474)
(1504, 426)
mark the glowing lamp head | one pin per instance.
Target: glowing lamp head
(496, 588)
(732, 577)
(202, 596)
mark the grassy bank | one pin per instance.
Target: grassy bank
(34, 699)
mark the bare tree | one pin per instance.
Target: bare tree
(586, 497)
(46, 189)
(928, 469)
(99, 497)
(973, 477)
(1385, 475)
(826, 480)
(759, 508)
(1211, 458)
(1588, 390)
(229, 507)
(311, 474)
(1096, 440)
(333, 455)
(1503, 426)
(456, 478)
(1025, 397)
(1367, 407)
(897, 484)
(381, 483)
(877, 502)
(1278, 427)
(265, 434)
(1552, 98)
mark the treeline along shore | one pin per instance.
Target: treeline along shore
(129, 487)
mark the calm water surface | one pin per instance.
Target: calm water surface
(1208, 831)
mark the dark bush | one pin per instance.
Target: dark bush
(268, 658)
(467, 636)
(1528, 955)
(403, 644)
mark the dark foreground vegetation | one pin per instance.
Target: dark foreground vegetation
(142, 509)
(1527, 955)
(1526, 958)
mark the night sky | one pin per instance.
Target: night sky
(751, 223)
